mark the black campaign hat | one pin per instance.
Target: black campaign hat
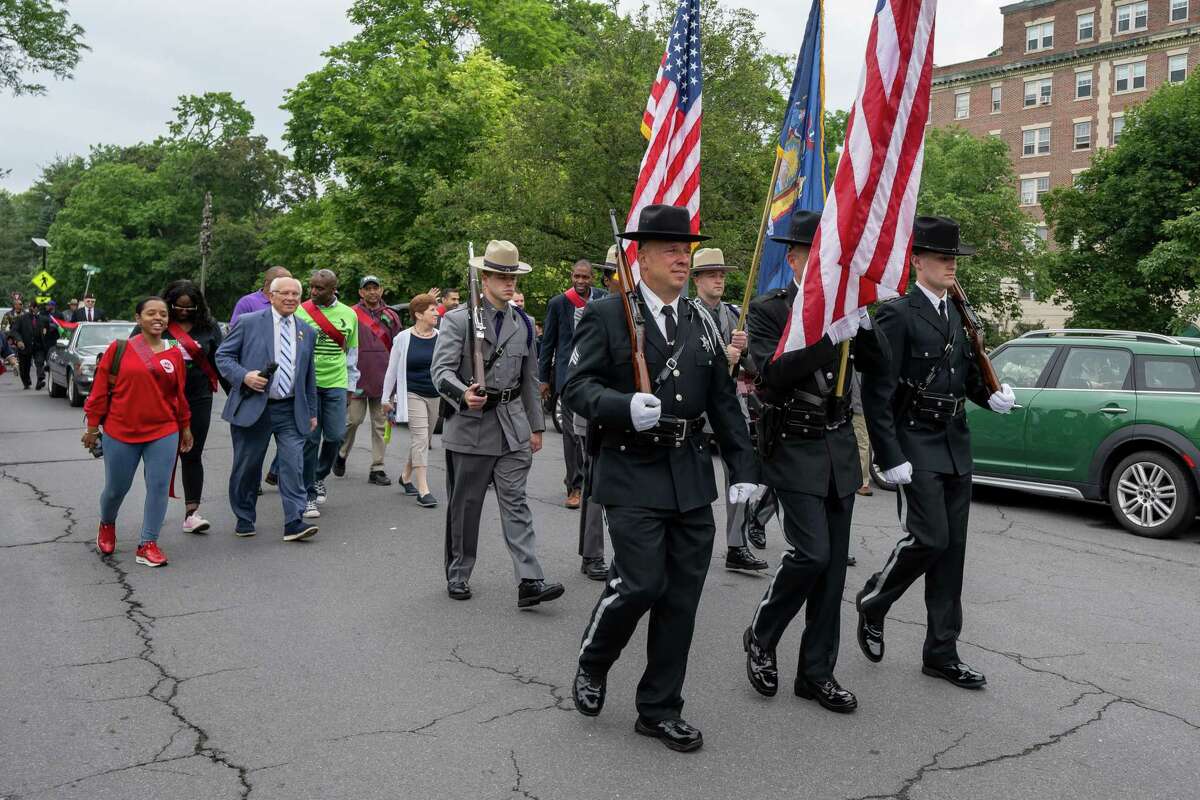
(664, 223)
(939, 235)
(802, 227)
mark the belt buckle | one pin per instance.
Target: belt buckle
(681, 433)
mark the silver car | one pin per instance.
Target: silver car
(72, 362)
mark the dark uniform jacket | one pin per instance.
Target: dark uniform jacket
(600, 387)
(554, 349)
(918, 337)
(32, 330)
(800, 464)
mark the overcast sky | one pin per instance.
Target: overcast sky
(145, 54)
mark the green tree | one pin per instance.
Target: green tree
(1124, 232)
(835, 136)
(205, 120)
(971, 179)
(36, 36)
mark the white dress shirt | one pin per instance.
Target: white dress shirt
(655, 306)
(934, 299)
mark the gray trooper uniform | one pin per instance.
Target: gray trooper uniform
(491, 444)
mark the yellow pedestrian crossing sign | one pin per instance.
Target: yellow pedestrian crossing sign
(43, 280)
(41, 301)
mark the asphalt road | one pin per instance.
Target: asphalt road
(339, 668)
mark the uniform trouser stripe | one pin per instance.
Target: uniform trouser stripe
(601, 607)
(769, 593)
(904, 543)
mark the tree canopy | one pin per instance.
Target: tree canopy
(36, 36)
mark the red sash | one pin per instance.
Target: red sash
(318, 316)
(374, 326)
(574, 297)
(195, 352)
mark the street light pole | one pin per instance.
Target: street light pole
(206, 222)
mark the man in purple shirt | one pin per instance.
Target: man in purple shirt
(257, 301)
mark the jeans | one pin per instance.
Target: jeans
(120, 465)
(331, 426)
(250, 445)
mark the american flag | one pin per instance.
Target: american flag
(861, 251)
(670, 171)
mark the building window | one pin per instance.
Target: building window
(1035, 142)
(1032, 190)
(1129, 77)
(1177, 68)
(1179, 10)
(1083, 85)
(1039, 37)
(1132, 17)
(962, 105)
(1075, 179)
(996, 94)
(1118, 127)
(1085, 27)
(1083, 135)
(1038, 92)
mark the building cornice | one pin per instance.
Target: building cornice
(1126, 46)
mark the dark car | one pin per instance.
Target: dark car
(72, 362)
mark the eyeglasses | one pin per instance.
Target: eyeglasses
(183, 308)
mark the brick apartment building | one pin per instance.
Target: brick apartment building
(1058, 87)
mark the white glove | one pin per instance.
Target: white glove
(1002, 402)
(899, 475)
(644, 411)
(741, 492)
(844, 329)
(864, 320)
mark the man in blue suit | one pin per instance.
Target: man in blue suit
(283, 405)
(557, 333)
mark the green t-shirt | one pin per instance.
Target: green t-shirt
(330, 361)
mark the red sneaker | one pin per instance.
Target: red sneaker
(106, 538)
(149, 555)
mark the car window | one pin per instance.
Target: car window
(1162, 374)
(1020, 365)
(100, 335)
(1095, 368)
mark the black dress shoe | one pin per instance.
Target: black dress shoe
(757, 536)
(588, 692)
(339, 466)
(377, 477)
(594, 568)
(851, 561)
(959, 674)
(828, 693)
(742, 558)
(531, 592)
(870, 632)
(458, 590)
(761, 668)
(674, 733)
(41, 385)
(272, 479)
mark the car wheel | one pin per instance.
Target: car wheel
(52, 387)
(1151, 495)
(74, 397)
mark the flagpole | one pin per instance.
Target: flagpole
(752, 277)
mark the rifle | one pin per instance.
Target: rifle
(974, 328)
(633, 312)
(475, 306)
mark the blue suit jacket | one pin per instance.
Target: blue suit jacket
(250, 346)
(557, 333)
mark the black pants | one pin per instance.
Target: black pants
(812, 572)
(934, 510)
(26, 358)
(760, 511)
(191, 463)
(572, 455)
(660, 560)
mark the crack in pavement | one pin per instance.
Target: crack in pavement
(165, 689)
(68, 513)
(516, 788)
(417, 731)
(556, 692)
(932, 765)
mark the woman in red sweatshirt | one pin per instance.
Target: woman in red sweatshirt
(145, 416)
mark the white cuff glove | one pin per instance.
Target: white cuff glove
(843, 330)
(899, 475)
(1002, 402)
(741, 492)
(644, 411)
(864, 320)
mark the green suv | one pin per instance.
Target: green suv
(1101, 415)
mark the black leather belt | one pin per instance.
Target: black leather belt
(937, 408)
(496, 397)
(669, 432)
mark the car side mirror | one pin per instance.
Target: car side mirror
(63, 342)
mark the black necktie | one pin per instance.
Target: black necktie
(499, 324)
(942, 310)
(669, 313)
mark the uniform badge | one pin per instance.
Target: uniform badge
(574, 356)
(708, 345)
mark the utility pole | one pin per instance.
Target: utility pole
(206, 222)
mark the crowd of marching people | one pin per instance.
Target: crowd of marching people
(641, 414)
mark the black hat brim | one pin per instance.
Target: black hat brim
(663, 236)
(787, 240)
(963, 250)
